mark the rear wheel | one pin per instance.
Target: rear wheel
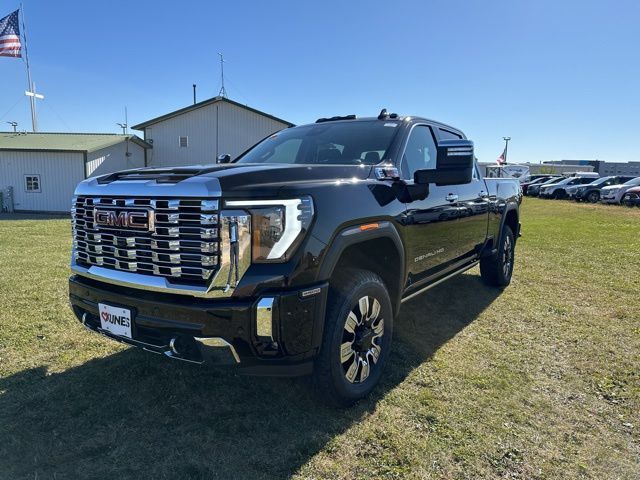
(497, 269)
(593, 197)
(357, 338)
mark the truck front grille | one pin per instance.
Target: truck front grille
(174, 238)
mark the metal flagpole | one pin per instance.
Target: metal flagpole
(31, 93)
(506, 146)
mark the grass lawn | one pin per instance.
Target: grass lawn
(541, 380)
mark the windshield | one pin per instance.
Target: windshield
(538, 180)
(601, 181)
(553, 180)
(331, 143)
(559, 181)
(632, 183)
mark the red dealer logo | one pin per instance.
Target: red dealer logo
(115, 319)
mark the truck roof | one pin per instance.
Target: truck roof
(391, 118)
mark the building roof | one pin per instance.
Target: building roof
(204, 103)
(64, 142)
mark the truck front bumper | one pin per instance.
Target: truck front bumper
(278, 333)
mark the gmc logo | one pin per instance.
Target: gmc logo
(139, 219)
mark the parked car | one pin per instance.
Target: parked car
(535, 180)
(534, 190)
(294, 258)
(614, 193)
(559, 189)
(631, 197)
(591, 192)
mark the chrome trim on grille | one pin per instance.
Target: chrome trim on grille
(188, 252)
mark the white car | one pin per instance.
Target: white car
(614, 193)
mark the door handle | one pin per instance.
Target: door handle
(452, 197)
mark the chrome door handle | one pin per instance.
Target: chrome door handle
(452, 197)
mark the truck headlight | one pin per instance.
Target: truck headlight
(277, 226)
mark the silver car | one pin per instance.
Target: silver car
(559, 189)
(614, 193)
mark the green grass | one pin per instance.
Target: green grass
(541, 380)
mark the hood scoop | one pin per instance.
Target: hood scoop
(159, 175)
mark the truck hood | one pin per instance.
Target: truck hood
(216, 180)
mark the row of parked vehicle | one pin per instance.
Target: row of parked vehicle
(586, 187)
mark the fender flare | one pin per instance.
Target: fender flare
(353, 235)
(510, 207)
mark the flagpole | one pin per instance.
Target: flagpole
(32, 99)
(506, 147)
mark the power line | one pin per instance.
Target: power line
(12, 107)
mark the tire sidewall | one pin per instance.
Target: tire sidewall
(344, 388)
(506, 232)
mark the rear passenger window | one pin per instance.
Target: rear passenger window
(449, 135)
(420, 152)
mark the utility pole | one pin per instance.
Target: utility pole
(14, 125)
(31, 93)
(123, 126)
(506, 146)
(223, 91)
(32, 98)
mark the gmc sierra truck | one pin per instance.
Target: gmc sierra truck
(294, 258)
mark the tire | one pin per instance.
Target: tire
(496, 270)
(559, 194)
(353, 353)
(626, 200)
(593, 197)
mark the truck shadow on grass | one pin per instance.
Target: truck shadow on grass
(134, 414)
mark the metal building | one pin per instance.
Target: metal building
(39, 171)
(200, 132)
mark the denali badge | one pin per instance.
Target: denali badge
(140, 219)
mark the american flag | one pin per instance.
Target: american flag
(501, 159)
(10, 36)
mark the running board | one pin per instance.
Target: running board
(438, 282)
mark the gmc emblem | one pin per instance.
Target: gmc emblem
(139, 219)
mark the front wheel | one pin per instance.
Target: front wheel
(497, 269)
(593, 197)
(356, 340)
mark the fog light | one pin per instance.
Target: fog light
(264, 319)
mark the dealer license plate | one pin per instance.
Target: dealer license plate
(115, 320)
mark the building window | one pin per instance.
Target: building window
(183, 142)
(32, 183)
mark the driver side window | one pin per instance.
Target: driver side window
(420, 151)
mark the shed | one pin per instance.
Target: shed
(39, 171)
(197, 134)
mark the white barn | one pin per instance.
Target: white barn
(200, 132)
(39, 171)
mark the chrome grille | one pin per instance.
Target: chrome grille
(181, 243)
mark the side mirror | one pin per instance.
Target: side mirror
(454, 165)
(224, 158)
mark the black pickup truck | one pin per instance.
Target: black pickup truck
(294, 258)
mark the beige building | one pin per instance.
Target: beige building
(197, 134)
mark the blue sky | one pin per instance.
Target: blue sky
(562, 78)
